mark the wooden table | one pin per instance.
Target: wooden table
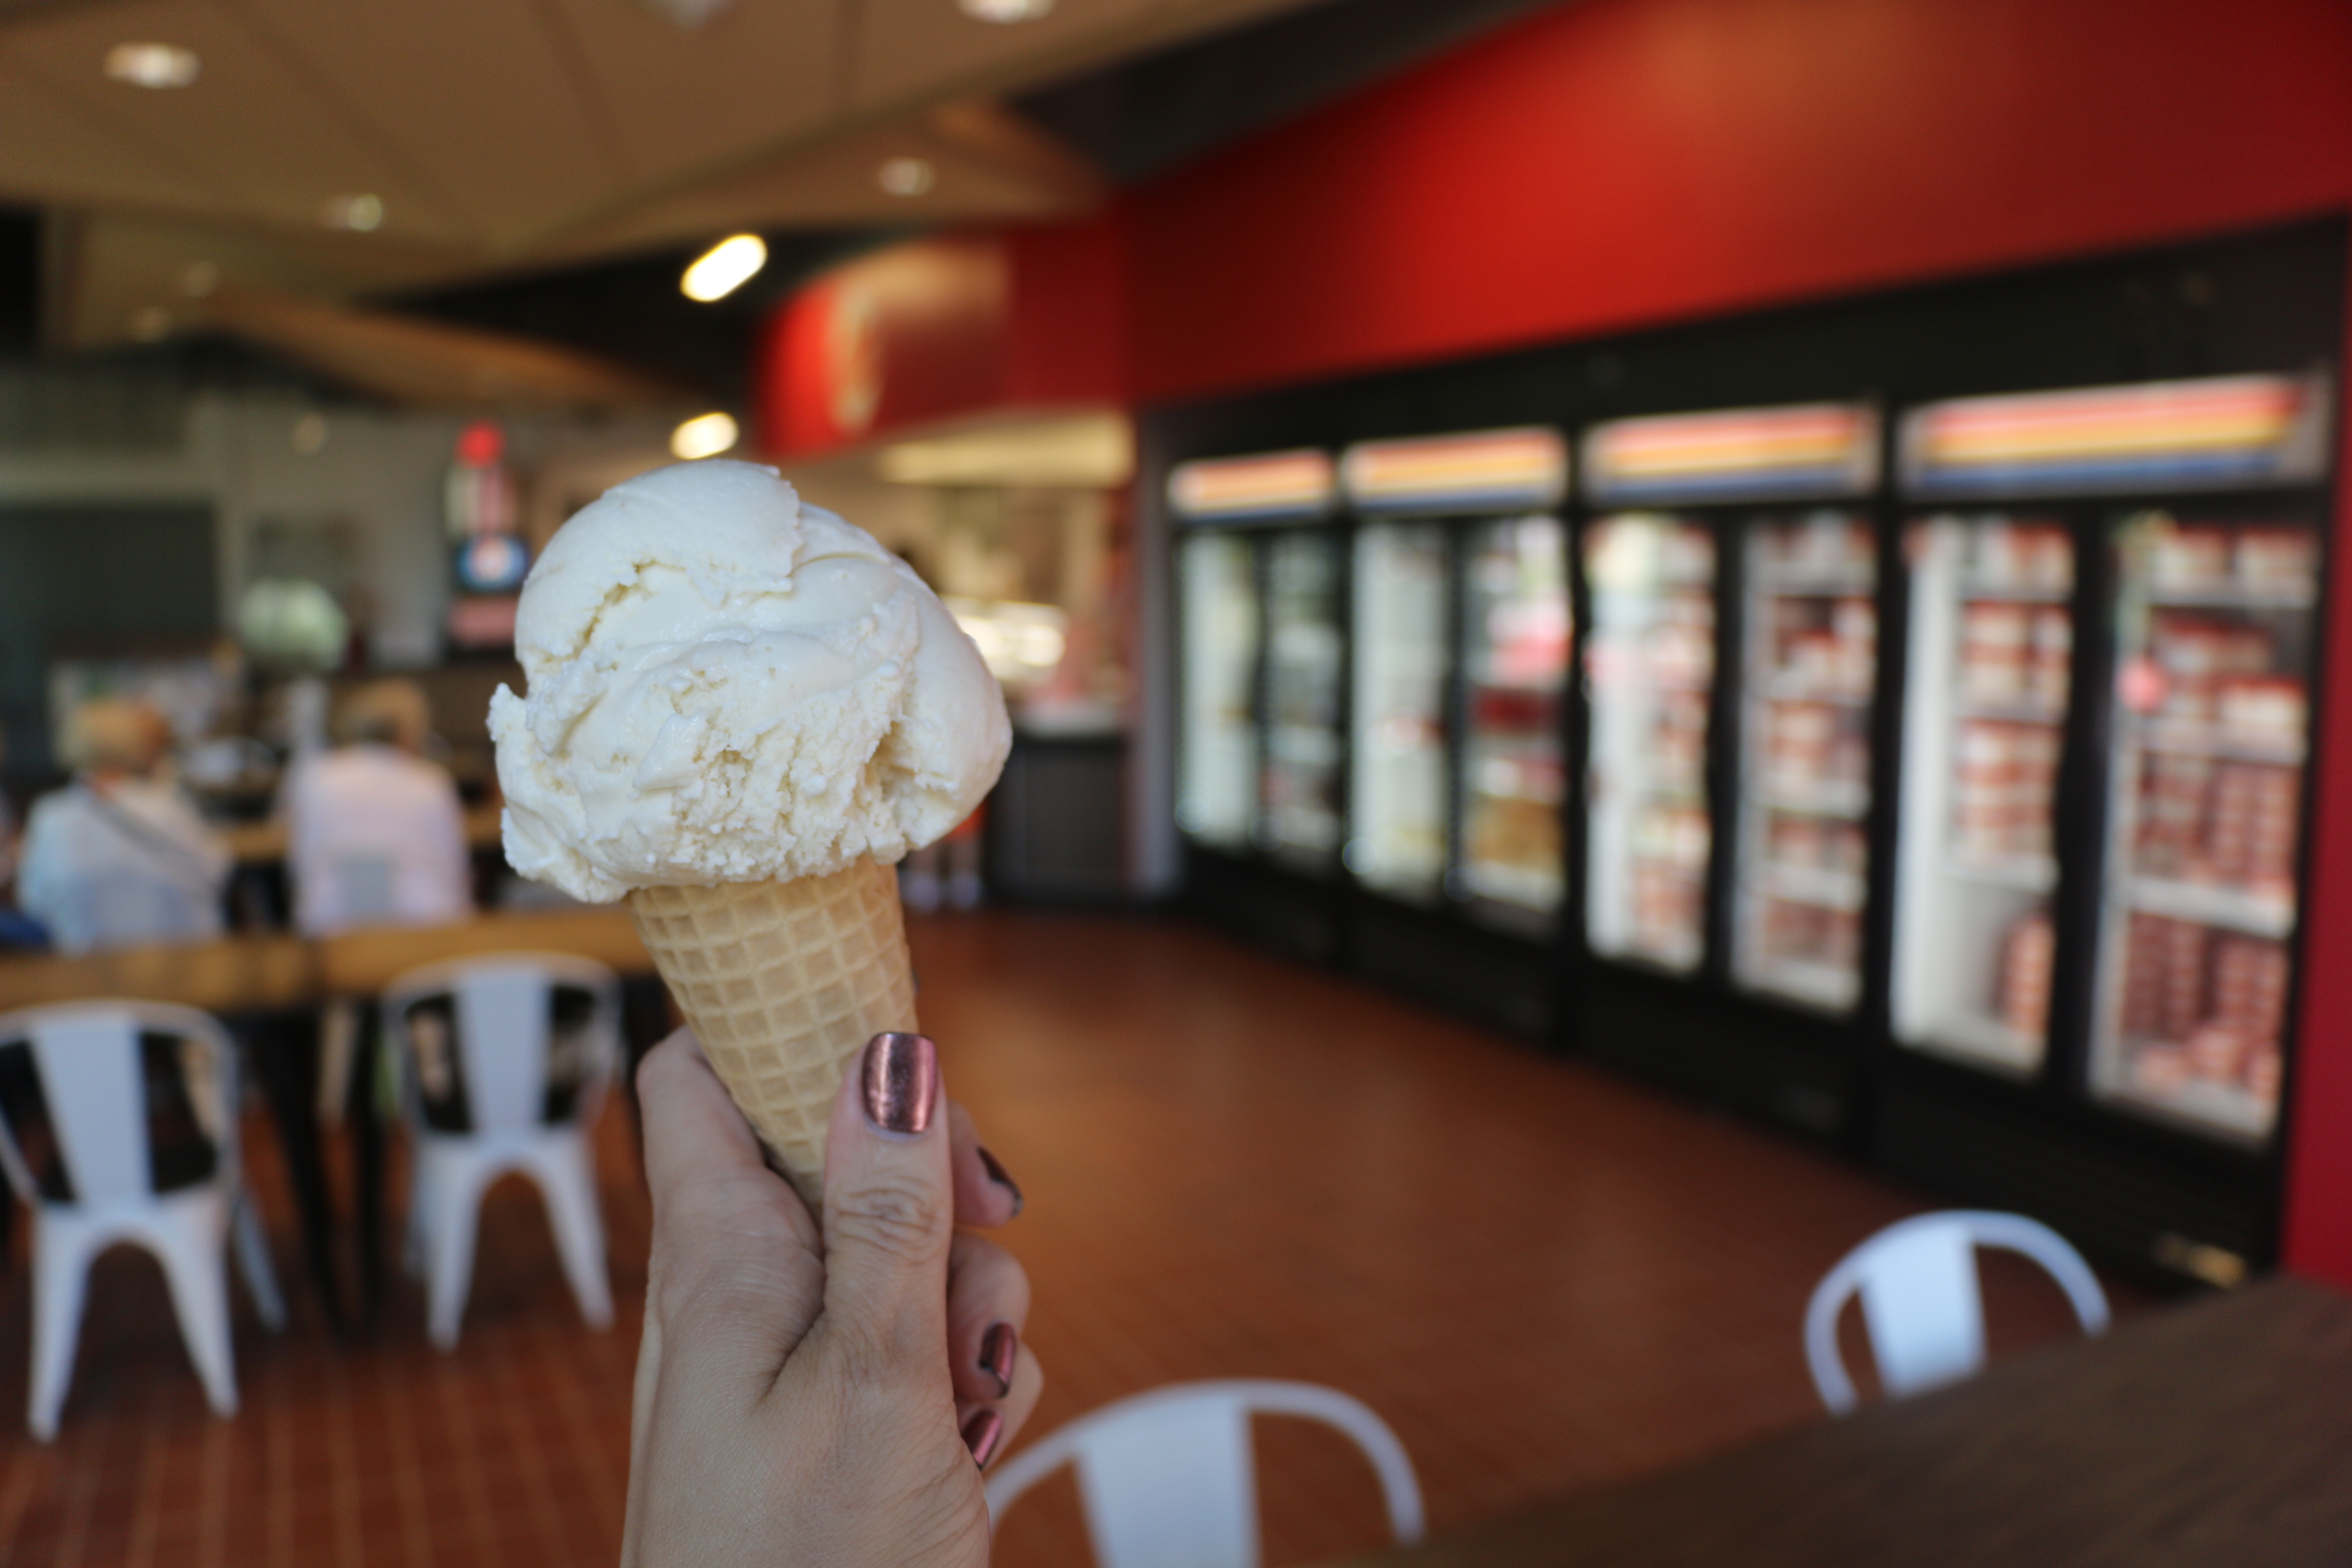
(362, 963)
(2217, 1433)
(259, 972)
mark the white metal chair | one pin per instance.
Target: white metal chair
(86, 1109)
(1921, 1304)
(490, 1084)
(1167, 1477)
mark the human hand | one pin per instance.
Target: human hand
(822, 1400)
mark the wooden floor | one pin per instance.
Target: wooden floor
(1542, 1276)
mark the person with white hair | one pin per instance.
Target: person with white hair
(375, 834)
(121, 857)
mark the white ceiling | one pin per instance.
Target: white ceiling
(502, 135)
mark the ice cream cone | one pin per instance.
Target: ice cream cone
(784, 982)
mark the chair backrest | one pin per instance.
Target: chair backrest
(1920, 1302)
(1169, 1481)
(93, 1083)
(504, 1019)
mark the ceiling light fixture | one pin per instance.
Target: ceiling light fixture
(1004, 10)
(908, 177)
(361, 214)
(152, 65)
(200, 280)
(150, 323)
(724, 268)
(704, 437)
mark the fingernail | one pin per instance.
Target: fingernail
(981, 1434)
(997, 1349)
(996, 1174)
(900, 1080)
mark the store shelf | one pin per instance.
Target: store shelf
(2182, 738)
(1782, 689)
(1311, 745)
(2010, 712)
(1811, 885)
(1802, 583)
(2207, 905)
(1850, 802)
(2235, 596)
(1980, 590)
(2025, 873)
(1509, 884)
(1981, 1041)
(1825, 985)
(1679, 956)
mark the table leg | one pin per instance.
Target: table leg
(286, 1059)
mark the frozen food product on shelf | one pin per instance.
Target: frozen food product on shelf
(1516, 638)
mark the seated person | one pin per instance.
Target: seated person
(375, 834)
(120, 856)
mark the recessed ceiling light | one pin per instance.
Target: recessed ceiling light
(362, 214)
(908, 177)
(724, 268)
(1005, 10)
(152, 65)
(150, 323)
(310, 433)
(200, 280)
(704, 437)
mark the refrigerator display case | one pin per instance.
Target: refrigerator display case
(2209, 616)
(1217, 628)
(2215, 638)
(1299, 821)
(1986, 698)
(1811, 666)
(1649, 684)
(1258, 592)
(1398, 793)
(1515, 672)
(1463, 632)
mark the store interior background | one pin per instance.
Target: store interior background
(1131, 220)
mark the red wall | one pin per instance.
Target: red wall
(1618, 162)
(1622, 161)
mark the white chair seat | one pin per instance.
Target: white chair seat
(1167, 1478)
(1921, 1305)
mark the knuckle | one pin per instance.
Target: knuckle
(906, 1219)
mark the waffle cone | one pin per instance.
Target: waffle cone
(784, 982)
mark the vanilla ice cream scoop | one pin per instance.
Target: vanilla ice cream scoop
(726, 685)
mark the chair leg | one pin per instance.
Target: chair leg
(566, 1173)
(252, 1261)
(61, 1274)
(454, 1189)
(196, 1267)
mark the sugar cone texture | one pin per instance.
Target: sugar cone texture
(784, 982)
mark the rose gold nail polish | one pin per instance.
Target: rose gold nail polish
(981, 1434)
(996, 1174)
(997, 1349)
(900, 1080)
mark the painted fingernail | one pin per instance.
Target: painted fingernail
(900, 1080)
(997, 1349)
(996, 1174)
(981, 1434)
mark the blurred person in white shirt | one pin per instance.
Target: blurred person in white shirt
(121, 857)
(375, 834)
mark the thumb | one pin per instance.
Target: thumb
(890, 1207)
